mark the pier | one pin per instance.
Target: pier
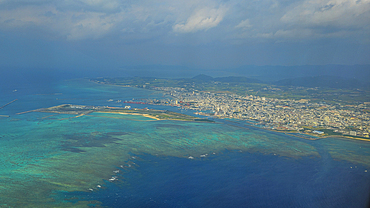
(8, 103)
(27, 112)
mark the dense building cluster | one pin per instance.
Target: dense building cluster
(282, 114)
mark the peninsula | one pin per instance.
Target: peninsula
(81, 110)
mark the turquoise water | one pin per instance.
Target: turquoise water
(51, 160)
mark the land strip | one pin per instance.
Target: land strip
(81, 110)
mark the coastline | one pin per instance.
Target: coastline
(303, 135)
(308, 137)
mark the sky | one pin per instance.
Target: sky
(209, 34)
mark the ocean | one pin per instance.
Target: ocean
(102, 160)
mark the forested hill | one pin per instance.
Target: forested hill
(323, 81)
(231, 79)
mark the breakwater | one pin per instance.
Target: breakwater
(8, 103)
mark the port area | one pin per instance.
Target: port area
(81, 110)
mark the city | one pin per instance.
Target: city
(277, 114)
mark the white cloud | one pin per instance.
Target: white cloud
(70, 25)
(202, 19)
(294, 33)
(244, 24)
(93, 26)
(106, 6)
(104, 3)
(303, 34)
(309, 20)
(314, 19)
(22, 17)
(337, 13)
(163, 19)
(264, 35)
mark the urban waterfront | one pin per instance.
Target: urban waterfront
(303, 115)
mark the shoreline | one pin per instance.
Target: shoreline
(316, 137)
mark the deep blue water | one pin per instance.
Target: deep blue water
(39, 90)
(235, 179)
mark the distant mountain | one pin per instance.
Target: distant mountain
(275, 73)
(322, 81)
(237, 79)
(230, 79)
(203, 77)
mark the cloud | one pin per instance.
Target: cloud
(203, 19)
(91, 26)
(320, 19)
(335, 13)
(307, 20)
(244, 24)
(294, 33)
(109, 4)
(69, 25)
(104, 6)
(163, 20)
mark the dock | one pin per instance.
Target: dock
(30, 111)
(8, 103)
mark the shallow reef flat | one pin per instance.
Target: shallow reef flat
(76, 154)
